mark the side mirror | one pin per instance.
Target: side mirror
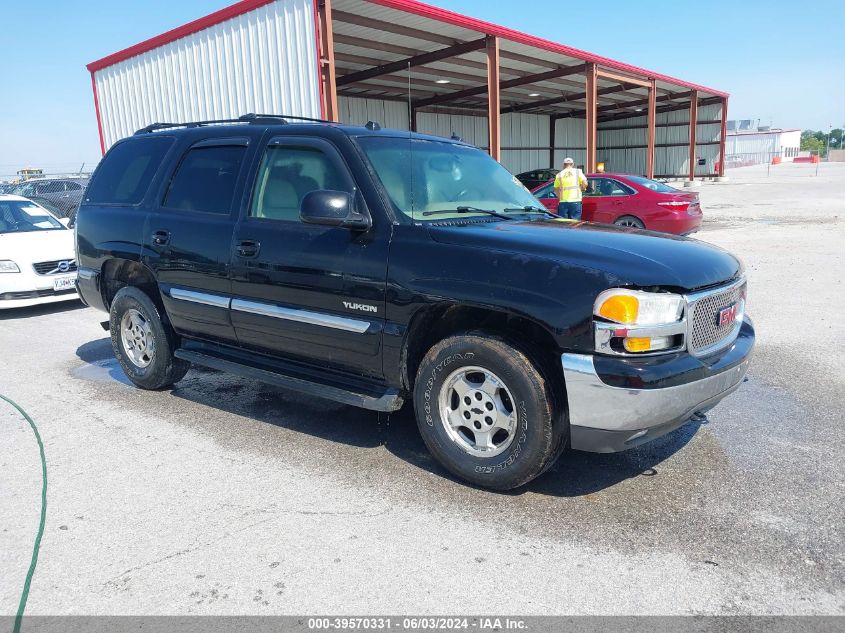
(332, 208)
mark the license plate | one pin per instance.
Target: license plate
(64, 283)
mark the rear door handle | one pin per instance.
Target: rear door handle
(161, 237)
(248, 248)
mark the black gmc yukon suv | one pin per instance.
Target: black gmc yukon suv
(371, 267)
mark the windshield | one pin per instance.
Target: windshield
(424, 178)
(652, 184)
(22, 216)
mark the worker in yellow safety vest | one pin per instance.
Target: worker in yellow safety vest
(569, 184)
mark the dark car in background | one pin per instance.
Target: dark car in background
(634, 201)
(63, 194)
(537, 177)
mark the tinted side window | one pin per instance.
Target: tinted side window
(205, 179)
(125, 173)
(286, 175)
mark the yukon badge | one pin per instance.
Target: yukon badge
(360, 306)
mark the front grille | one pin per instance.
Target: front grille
(706, 334)
(52, 268)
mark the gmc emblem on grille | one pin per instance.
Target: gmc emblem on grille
(727, 315)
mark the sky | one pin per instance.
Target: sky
(782, 62)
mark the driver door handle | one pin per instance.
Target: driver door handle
(248, 248)
(161, 237)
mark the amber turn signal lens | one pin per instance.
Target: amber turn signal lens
(620, 308)
(634, 344)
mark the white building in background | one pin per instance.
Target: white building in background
(747, 145)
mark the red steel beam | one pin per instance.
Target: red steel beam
(573, 97)
(493, 103)
(723, 138)
(416, 60)
(693, 132)
(327, 63)
(666, 108)
(644, 102)
(511, 83)
(652, 123)
(606, 74)
(591, 94)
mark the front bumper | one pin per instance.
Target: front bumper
(35, 298)
(606, 418)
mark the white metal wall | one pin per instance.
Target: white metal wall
(358, 111)
(263, 61)
(530, 131)
(667, 160)
(570, 142)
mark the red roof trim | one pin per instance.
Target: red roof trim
(456, 19)
(226, 13)
(409, 6)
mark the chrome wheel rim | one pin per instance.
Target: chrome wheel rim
(136, 335)
(477, 411)
(631, 223)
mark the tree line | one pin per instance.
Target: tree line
(817, 141)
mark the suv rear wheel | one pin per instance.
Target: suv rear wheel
(142, 342)
(485, 411)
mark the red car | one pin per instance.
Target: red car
(633, 201)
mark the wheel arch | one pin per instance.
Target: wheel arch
(118, 273)
(432, 324)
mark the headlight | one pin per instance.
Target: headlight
(8, 266)
(634, 307)
(636, 322)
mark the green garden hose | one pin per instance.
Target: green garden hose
(31, 572)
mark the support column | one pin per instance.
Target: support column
(493, 102)
(652, 126)
(693, 132)
(723, 138)
(413, 121)
(552, 126)
(328, 78)
(590, 120)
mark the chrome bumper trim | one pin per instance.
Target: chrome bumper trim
(597, 405)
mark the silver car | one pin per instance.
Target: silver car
(65, 194)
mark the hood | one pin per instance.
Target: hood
(641, 258)
(37, 246)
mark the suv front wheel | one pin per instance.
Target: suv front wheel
(485, 411)
(142, 343)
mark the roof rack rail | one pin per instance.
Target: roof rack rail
(250, 118)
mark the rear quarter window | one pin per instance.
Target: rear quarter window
(125, 174)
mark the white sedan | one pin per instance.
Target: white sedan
(37, 255)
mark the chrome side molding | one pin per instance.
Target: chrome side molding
(217, 301)
(301, 316)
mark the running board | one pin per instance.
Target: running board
(388, 401)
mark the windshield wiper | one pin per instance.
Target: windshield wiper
(469, 210)
(530, 209)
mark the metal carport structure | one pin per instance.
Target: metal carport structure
(409, 65)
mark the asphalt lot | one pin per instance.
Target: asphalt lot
(227, 497)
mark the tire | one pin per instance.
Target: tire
(142, 342)
(630, 221)
(456, 384)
